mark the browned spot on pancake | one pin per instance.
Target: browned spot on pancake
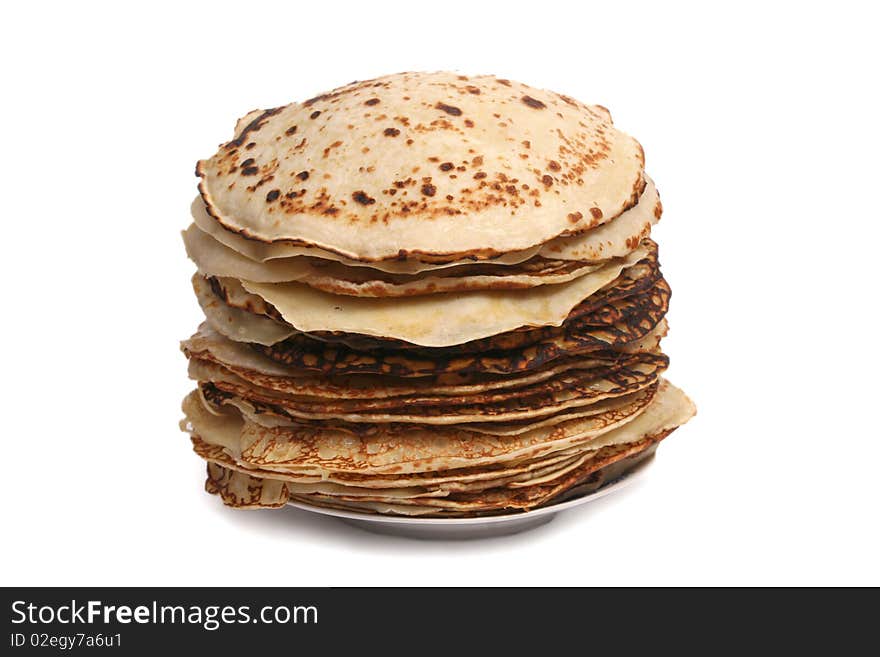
(449, 109)
(303, 175)
(372, 101)
(534, 103)
(596, 212)
(391, 132)
(428, 189)
(273, 195)
(575, 217)
(335, 144)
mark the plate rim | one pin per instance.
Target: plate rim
(621, 482)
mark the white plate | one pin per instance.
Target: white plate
(466, 528)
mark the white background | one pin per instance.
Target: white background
(760, 124)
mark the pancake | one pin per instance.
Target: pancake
(558, 261)
(332, 173)
(242, 491)
(213, 259)
(643, 313)
(247, 365)
(260, 252)
(632, 280)
(500, 490)
(502, 498)
(614, 239)
(441, 482)
(466, 316)
(415, 486)
(237, 323)
(392, 448)
(570, 389)
(274, 416)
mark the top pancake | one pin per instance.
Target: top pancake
(423, 165)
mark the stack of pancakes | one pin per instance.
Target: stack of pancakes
(426, 294)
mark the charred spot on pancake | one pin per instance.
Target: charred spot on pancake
(362, 198)
(253, 126)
